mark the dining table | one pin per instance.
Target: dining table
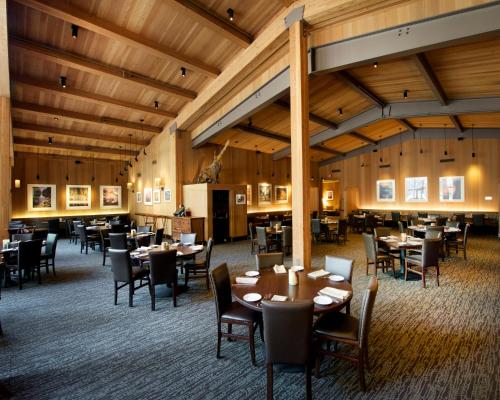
(423, 229)
(397, 243)
(270, 283)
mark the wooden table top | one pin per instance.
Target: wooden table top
(423, 228)
(187, 251)
(396, 243)
(270, 283)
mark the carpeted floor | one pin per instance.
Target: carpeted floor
(66, 340)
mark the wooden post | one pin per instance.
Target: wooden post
(299, 112)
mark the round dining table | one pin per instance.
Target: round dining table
(270, 283)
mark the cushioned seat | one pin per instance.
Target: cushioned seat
(237, 312)
(138, 272)
(339, 325)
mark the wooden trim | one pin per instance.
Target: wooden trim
(95, 67)
(429, 76)
(359, 88)
(67, 12)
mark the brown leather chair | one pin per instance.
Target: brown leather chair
(199, 269)
(230, 312)
(374, 257)
(268, 260)
(288, 337)
(123, 271)
(163, 270)
(458, 244)
(428, 259)
(342, 328)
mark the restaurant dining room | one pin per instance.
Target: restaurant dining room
(266, 199)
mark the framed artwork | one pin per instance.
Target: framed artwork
(386, 190)
(281, 194)
(451, 188)
(78, 197)
(138, 197)
(240, 199)
(249, 195)
(329, 195)
(148, 196)
(416, 189)
(41, 197)
(167, 195)
(110, 196)
(264, 193)
(156, 196)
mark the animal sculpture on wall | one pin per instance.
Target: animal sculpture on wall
(211, 173)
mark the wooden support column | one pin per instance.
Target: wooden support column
(299, 114)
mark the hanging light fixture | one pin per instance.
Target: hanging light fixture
(420, 136)
(400, 144)
(51, 140)
(472, 136)
(121, 173)
(37, 164)
(230, 14)
(405, 94)
(183, 72)
(375, 64)
(67, 166)
(62, 81)
(445, 147)
(157, 104)
(130, 148)
(339, 111)
(74, 31)
(92, 179)
(135, 158)
(142, 133)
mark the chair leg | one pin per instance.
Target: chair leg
(269, 381)
(393, 269)
(308, 382)
(131, 294)
(54, 266)
(104, 257)
(219, 337)
(152, 293)
(317, 367)
(116, 293)
(229, 330)
(186, 276)
(251, 343)
(423, 278)
(406, 269)
(206, 277)
(174, 293)
(437, 275)
(361, 370)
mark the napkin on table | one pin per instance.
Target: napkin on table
(336, 293)
(246, 280)
(277, 297)
(279, 269)
(318, 274)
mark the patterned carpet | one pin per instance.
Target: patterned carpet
(66, 340)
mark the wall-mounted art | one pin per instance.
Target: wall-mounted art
(281, 194)
(451, 188)
(264, 193)
(110, 196)
(78, 197)
(249, 195)
(240, 199)
(416, 189)
(41, 197)
(156, 196)
(138, 197)
(329, 195)
(386, 190)
(167, 195)
(148, 196)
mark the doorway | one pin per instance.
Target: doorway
(220, 215)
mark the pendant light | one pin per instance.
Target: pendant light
(400, 144)
(67, 166)
(135, 158)
(92, 179)
(37, 164)
(130, 148)
(472, 136)
(142, 132)
(444, 131)
(120, 173)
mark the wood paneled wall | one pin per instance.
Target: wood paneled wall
(53, 170)
(481, 174)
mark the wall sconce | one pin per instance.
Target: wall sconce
(130, 186)
(160, 183)
(17, 183)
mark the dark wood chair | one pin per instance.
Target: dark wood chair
(264, 242)
(27, 261)
(125, 273)
(458, 244)
(253, 240)
(105, 244)
(370, 223)
(340, 235)
(159, 236)
(421, 263)
(199, 269)
(163, 271)
(230, 312)
(343, 328)
(288, 338)
(268, 260)
(48, 258)
(286, 241)
(374, 257)
(87, 239)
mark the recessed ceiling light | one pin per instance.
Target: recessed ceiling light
(375, 64)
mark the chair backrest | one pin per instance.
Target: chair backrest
(272, 224)
(370, 221)
(395, 216)
(339, 266)
(261, 235)
(81, 231)
(342, 227)
(441, 221)
(221, 287)
(22, 236)
(29, 254)
(51, 244)
(188, 238)
(118, 241)
(430, 252)
(268, 260)
(422, 215)
(434, 232)
(210, 245)
(401, 227)
(370, 247)
(452, 224)
(121, 265)
(416, 221)
(162, 267)
(117, 228)
(466, 231)
(478, 219)
(53, 225)
(365, 314)
(382, 231)
(460, 218)
(143, 241)
(250, 230)
(144, 229)
(315, 226)
(159, 236)
(288, 331)
(287, 235)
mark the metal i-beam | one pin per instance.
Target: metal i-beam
(406, 125)
(262, 132)
(364, 138)
(357, 86)
(455, 121)
(429, 76)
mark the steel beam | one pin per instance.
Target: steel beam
(456, 123)
(361, 137)
(357, 86)
(406, 125)
(312, 117)
(262, 132)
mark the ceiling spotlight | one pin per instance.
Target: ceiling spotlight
(74, 31)
(405, 94)
(157, 104)
(339, 110)
(375, 64)
(62, 80)
(183, 72)
(56, 118)
(37, 177)
(230, 14)
(50, 140)
(136, 159)
(93, 178)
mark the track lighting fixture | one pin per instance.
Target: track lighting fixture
(51, 140)
(74, 31)
(230, 14)
(62, 80)
(183, 72)
(375, 64)
(157, 104)
(339, 110)
(405, 94)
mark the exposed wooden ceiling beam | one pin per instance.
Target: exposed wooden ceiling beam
(63, 154)
(406, 124)
(215, 22)
(361, 137)
(52, 131)
(68, 146)
(261, 132)
(68, 12)
(359, 88)
(431, 79)
(81, 95)
(82, 63)
(325, 149)
(72, 115)
(312, 117)
(456, 123)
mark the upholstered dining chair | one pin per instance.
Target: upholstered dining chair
(288, 338)
(437, 232)
(163, 270)
(27, 261)
(373, 257)
(340, 234)
(199, 269)
(49, 256)
(382, 231)
(230, 312)
(286, 240)
(253, 239)
(264, 243)
(87, 239)
(22, 237)
(421, 263)
(343, 328)
(187, 238)
(268, 260)
(159, 236)
(458, 244)
(118, 241)
(343, 267)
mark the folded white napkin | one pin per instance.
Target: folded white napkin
(277, 297)
(180, 253)
(174, 245)
(142, 249)
(318, 274)
(246, 280)
(336, 293)
(414, 242)
(279, 269)
(197, 247)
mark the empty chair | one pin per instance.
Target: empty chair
(86, 239)
(343, 267)
(370, 223)
(374, 257)
(452, 224)
(273, 224)
(288, 338)
(117, 228)
(188, 238)
(343, 328)
(163, 270)
(118, 241)
(316, 231)
(105, 244)
(126, 274)
(458, 244)
(401, 227)
(73, 231)
(434, 232)
(143, 241)
(441, 221)
(286, 241)
(199, 269)
(340, 234)
(253, 240)
(159, 236)
(49, 256)
(268, 260)
(22, 237)
(264, 243)
(395, 217)
(421, 263)
(381, 231)
(27, 261)
(230, 312)
(53, 225)
(144, 229)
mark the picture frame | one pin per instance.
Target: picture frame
(329, 195)
(281, 194)
(78, 197)
(264, 193)
(386, 190)
(156, 196)
(240, 199)
(249, 195)
(41, 197)
(138, 197)
(110, 196)
(451, 189)
(148, 196)
(416, 189)
(167, 195)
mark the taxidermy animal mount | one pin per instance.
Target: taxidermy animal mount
(211, 173)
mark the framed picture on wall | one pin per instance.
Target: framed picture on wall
(41, 197)
(451, 188)
(156, 196)
(167, 195)
(386, 190)
(264, 193)
(240, 199)
(78, 197)
(110, 196)
(281, 194)
(138, 197)
(148, 196)
(416, 189)
(249, 195)
(329, 195)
